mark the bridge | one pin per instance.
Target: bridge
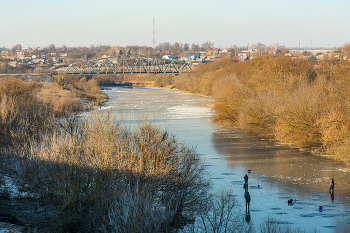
(128, 64)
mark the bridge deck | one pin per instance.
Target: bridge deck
(128, 64)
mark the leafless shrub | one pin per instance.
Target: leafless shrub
(4, 191)
(93, 166)
(220, 214)
(271, 225)
(22, 116)
(135, 211)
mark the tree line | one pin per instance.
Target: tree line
(83, 53)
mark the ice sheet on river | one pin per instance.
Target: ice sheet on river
(187, 111)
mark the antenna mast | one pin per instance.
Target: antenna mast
(311, 44)
(154, 36)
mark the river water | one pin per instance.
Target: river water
(276, 172)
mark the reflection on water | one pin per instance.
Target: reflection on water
(278, 173)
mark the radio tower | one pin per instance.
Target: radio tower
(154, 36)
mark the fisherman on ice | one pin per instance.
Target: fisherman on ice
(331, 189)
(246, 181)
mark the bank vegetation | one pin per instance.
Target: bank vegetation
(294, 100)
(90, 174)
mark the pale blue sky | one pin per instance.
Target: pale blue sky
(38, 23)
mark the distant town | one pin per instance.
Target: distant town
(20, 59)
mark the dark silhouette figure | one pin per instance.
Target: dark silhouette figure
(331, 189)
(290, 202)
(245, 181)
(247, 201)
(247, 218)
(332, 197)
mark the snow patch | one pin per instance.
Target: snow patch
(12, 188)
(95, 110)
(187, 111)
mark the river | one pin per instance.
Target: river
(277, 172)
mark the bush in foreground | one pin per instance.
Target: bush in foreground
(107, 177)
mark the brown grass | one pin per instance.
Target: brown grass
(22, 115)
(83, 88)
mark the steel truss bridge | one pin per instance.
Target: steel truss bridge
(128, 64)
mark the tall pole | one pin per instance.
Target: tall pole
(154, 36)
(311, 44)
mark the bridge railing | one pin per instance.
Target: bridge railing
(128, 64)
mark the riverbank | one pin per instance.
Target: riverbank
(28, 113)
(317, 151)
(269, 107)
(79, 174)
(296, 101)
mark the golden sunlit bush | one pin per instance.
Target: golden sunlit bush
(229, 95)
(164, 80)
(201, 81)
(297, 117)
(335, 125)
(267, 71)
(82, 88)
(22, 116)
(341, 150)
(26, 108)
(66, 105)
(17, 90)
(186, 82)
(257, 114)
(60, 101)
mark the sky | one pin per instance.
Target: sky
(39, 23)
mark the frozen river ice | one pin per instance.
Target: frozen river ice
(278, 173)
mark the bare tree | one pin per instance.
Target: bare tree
(176, 49)
(165, 46)
(233, 50)
(208, 45)
(113, 51)
(64, 48)
(195, 48)
(16, 47)
(261, 48)
(186, 47)
(52, 48)
(220, 215)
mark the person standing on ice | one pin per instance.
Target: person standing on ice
(246, 181)
(331, 189)
(247, 201)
